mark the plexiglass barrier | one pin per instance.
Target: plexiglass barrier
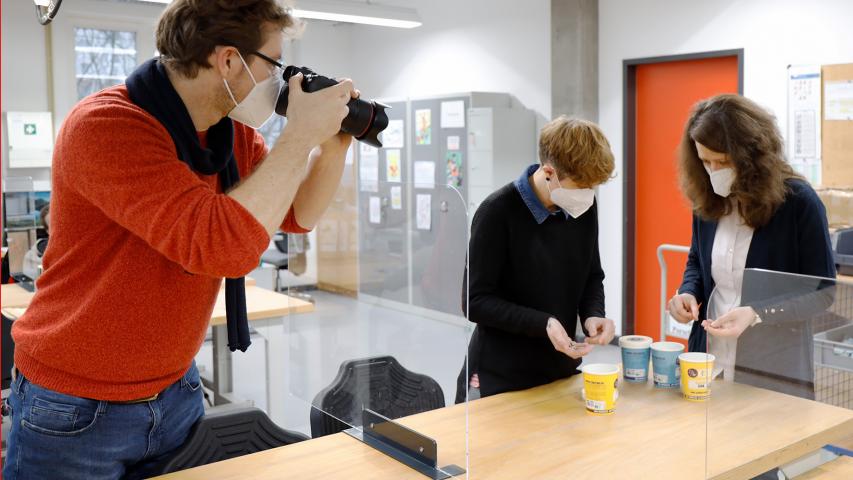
(386, 334)
(781, 357)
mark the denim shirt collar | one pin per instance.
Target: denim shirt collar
(522, 184)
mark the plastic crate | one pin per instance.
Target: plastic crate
(834, 366)
(844, 263)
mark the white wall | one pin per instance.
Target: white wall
(472, 45)
(25, 83)
(773, 34)
(24, 86)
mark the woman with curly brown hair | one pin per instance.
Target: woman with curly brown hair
(750, 210)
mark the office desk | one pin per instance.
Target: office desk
(266, 310)
(13, 295)
(545, 432)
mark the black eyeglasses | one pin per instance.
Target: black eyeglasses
(268, 59)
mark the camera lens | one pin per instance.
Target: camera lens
(365, 120)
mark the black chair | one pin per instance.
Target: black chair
(278, 257)
(227, 434)
(380, 384)
(8, 352)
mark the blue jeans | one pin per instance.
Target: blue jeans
(61, 436)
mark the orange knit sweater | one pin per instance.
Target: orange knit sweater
(139, 245)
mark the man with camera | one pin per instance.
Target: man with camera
(162, 187)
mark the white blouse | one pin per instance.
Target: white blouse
(728, 260)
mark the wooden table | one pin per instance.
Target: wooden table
(545, 432)
(14, 295)
(266, 310)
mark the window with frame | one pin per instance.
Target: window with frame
(103, 58)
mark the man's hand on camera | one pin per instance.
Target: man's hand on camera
(314, 118)
(336, 147)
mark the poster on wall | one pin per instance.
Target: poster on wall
(348, 160)
(453, 114)
(397, 198)
(368, 168)
(838, 98)
(375, 210)
(423, 127)
(453, 170)
(424, 212)
(393, 136)
(453, 142)
(804, 121)
(392, 166)
(424, 174)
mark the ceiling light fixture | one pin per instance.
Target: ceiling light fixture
(351, 12)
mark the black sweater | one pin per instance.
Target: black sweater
(521, 274)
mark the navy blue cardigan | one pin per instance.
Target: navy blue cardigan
(796, 240)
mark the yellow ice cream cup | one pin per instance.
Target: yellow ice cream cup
(696, 374)
(599, 387)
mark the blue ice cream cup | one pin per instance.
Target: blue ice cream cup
(636, 350)
(665, 368)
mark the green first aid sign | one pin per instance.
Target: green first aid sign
(29, 129)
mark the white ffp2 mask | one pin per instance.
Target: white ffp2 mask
(574, 201)
(259, 104)
(721, 180)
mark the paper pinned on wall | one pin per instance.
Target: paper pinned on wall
(392, 165)
(453, 114)
(423, 127)
(453, 142)
(368, 168)
(453, 170)
(838, 100)
(397, 198)
(350, 154)
(424, 212)
(804, 126)
(394, 134)
(375, 210)
(424, 174)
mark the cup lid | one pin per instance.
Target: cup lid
(668, 346)
(635, 341)
(697, 357)
(600, 369)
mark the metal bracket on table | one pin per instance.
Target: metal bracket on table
(402, 444)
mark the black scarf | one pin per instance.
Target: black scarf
(149, 88)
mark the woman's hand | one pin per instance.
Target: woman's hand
(683, 308)
(731, 324)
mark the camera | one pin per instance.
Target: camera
(365, 118)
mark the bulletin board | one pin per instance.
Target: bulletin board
(837, 128)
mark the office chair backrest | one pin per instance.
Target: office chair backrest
(228, 434)
(280, 241)
(380, 384)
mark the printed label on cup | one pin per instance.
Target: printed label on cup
(661, 378)
(600, 388)
(696, 375)
(635, 372)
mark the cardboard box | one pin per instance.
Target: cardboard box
(839, 206)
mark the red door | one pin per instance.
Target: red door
(665, 92)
